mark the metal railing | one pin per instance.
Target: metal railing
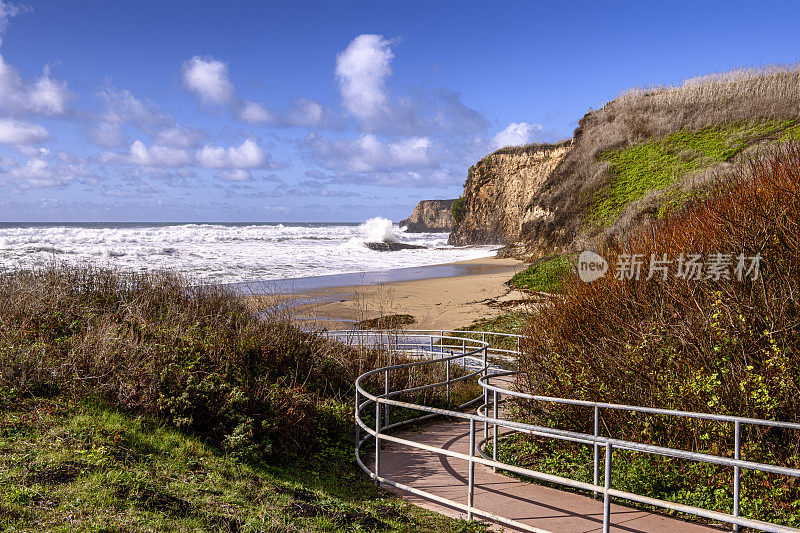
(472, 352)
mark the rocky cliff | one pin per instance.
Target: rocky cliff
(430, 216)
(498, 190)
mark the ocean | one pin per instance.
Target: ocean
(228, 253)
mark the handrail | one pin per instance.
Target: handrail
(464, 351)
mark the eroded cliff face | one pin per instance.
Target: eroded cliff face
(499, 189)
(430, 216)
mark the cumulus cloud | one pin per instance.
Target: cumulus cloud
(247, 155)
(362, 69)
(44, 96)
(370, 154)
(516, 134)
(48, 96)
(122, 108)
(238, 175)
(157, 156)
(45, 169)
(255, 113)
(208, 79)
(16, 132)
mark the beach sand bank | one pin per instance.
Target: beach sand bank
(438, 297)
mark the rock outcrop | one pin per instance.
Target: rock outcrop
(499, 189)
(392, 246)
(430, 216)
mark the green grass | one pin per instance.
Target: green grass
(640, 168)
(68, 466)
(544, 276)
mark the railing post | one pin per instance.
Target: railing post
(447, 364)
(471, 480)
(596, 447)
(358, 428)
(430, 344)
(519, 346)
(737, 471)
(463, 346)
(485, 395)
(377, 439)
(441, 341)
(386, 393)
(607, 496)
(494, 433)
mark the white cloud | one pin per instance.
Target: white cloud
(208, 78)
(247, 155)
(516, 134)
(178, 137)
(45, 96)
(157, 156)
(7, 11)
(362, 69)
(16, 132)
(238, 175)
(255, 113)
(122, 108)
(38, 172)
(370, 154)
(48, 96)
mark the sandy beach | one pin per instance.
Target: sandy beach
(477, 291)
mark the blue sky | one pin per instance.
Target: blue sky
(329, 111)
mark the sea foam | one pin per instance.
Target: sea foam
(228, 252)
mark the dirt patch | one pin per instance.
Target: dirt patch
(153, 499)
(386, 322)
(65, 472)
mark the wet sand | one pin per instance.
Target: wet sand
(439, 296)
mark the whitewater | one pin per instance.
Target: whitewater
(228, 253)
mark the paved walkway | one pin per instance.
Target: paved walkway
(542, 507)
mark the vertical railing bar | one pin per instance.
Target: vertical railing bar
(447, 363)
(386, 391)
(377, 439)
(596, 447)
(606, 496)
(358, 428)
(485, 391)
(737, 470)
(471, 480)
(494, 432)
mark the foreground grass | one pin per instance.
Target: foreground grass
(640, 168)
(83, 466)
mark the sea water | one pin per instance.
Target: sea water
(228, 253)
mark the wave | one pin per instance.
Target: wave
(229, 252)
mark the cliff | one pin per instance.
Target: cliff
(430, 216)
(628, 163)
(499, 188)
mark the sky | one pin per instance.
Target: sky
(199, 111)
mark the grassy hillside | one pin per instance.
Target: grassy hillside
(144, 402)
(650, 148)
(83, 466)
(728, 345)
